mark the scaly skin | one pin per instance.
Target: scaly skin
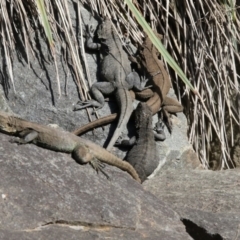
(83, 151)
(116, 71)
(147, 59)
(97, 123)
(143, 155)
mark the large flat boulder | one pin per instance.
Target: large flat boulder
(207, 201)
(47, 195)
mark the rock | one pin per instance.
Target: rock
(207, 201)
(47, 195)
(36, 98)
(176, 149)
(3, 102)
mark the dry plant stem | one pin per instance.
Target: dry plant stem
(200, 36)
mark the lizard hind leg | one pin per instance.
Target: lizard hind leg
(83, 155)
(159, 135)
(166, 118)
(170, 106)
(97, 90)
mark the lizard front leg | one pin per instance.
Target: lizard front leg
(89, 42)
(135, 82)
(26, 136)
(125, 142)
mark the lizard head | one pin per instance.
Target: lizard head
(143, 113)
(105, 29)
(6, 125)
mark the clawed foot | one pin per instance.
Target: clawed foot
(17, 140)
(125, 142)
(140, 86)
(126, 41)
(119, 141)
(98, 166)
(90, 31)
(84, 104)
(159, 128)
(144, 81)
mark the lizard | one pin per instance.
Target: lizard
(82, 150)
(147, 59)
(143, 155)
(117, 73)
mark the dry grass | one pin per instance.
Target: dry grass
(18, 17)
(203, 38)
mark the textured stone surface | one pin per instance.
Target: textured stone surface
(176, 146)
(37, 99)
(208, 199)
(45, 195)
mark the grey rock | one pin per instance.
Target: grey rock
(3, 102)
(36, 98)
(176, 151)
(47, 195)
(207, 201)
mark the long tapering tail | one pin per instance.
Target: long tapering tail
(124, 100)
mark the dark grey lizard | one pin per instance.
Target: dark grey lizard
(147, 60)
(143, 156)
(116, 71)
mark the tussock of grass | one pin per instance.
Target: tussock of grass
(18, 17)
(202, 37)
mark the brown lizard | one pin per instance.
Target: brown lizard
(82, 150)
(147, 59)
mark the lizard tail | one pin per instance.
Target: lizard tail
(124, 100)
(96, 123)
(113, 160)
(106, 157)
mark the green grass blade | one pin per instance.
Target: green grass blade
(159, 45)
(44, 19)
